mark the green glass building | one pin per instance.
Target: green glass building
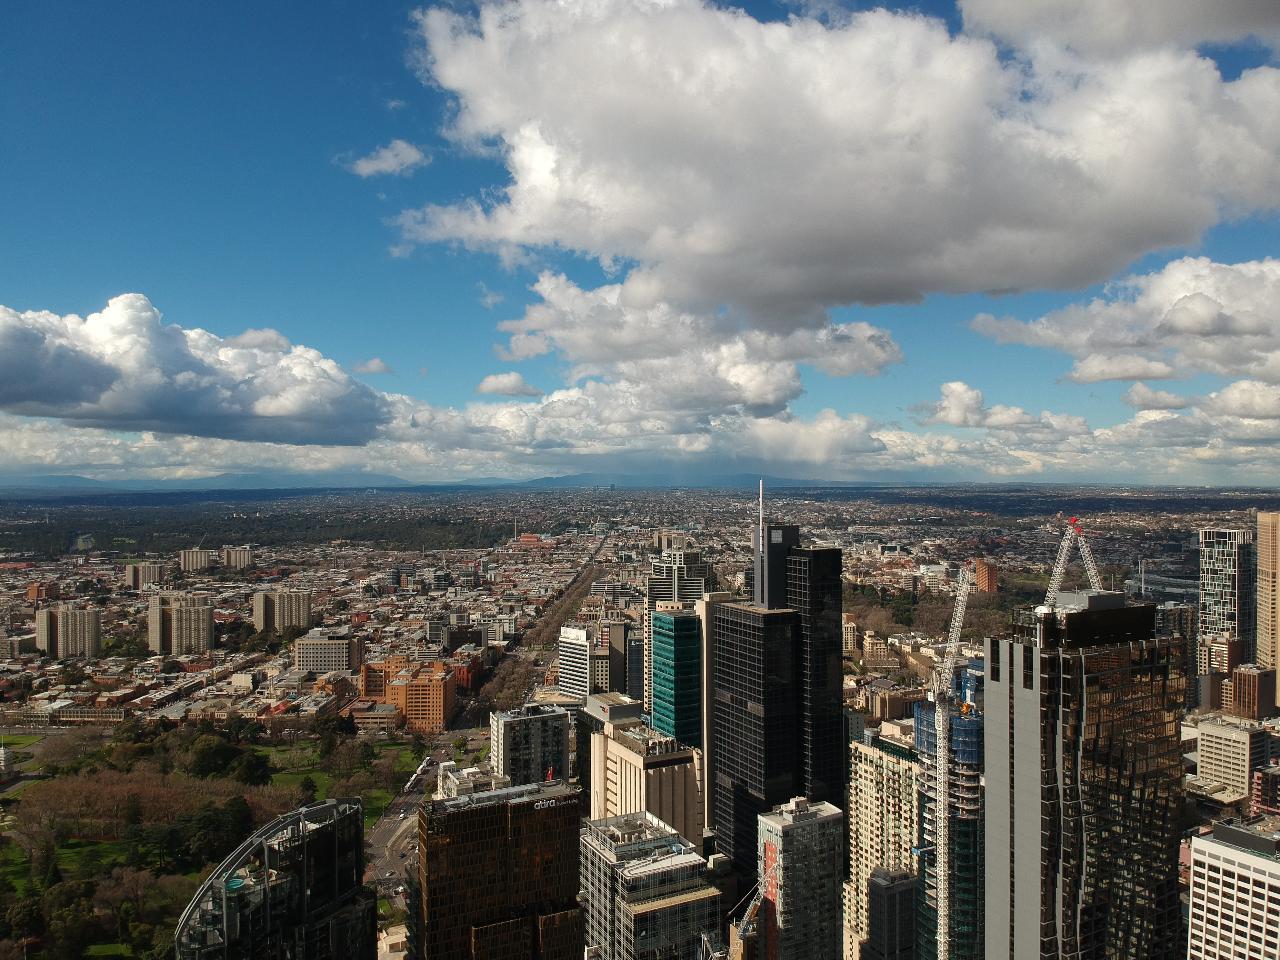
(677, 676)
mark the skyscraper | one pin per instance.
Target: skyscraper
(676, 576)
(800, 873)
(891, 915)
(777, 721)
(677, 676)
(1228, 581)
(292, 889)
(883, 810)
(705, 609)
(1084, 792)
(986, 576)
(645, 893)
(634, 768)
(235, 558)
(597, 710)
(614, 634)
(754, 726)
(275, 611)
(498, 875)
(815, 592)
(140, 575)
(1268, 590)
(573, 659)
(64, 631)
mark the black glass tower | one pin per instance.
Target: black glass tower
(776, 713)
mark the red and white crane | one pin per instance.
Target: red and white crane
(1074, 535)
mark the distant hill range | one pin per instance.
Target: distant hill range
(67, 484)
(726, 481)
(59, 484)
(241, 486)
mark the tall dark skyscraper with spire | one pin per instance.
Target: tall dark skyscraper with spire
(776, 709)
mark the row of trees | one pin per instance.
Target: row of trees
(547, 630)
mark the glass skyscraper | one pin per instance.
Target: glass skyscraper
(776, 710)
(677, 676)
(1084, 791)
(294, 890)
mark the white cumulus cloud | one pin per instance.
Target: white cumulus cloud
(373, 365)
(961, 405)
(1100, 366)
(1193, 315)
(1116, 26)
(698, 363)
(1144, 398)
(397, 158)
(510, 384)
(123, 368)
(782, 168)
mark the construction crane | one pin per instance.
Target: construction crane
(943, 704)
(745, 928)
(1074, 535)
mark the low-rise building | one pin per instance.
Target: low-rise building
(322, 650)
(1229, 750)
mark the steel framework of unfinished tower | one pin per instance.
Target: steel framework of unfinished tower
(944, 706)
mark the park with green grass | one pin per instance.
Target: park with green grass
(110, 834)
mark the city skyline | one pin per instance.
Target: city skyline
(942, 241)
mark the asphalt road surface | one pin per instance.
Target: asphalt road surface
(392, 841)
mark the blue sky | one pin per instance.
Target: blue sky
(202, 155)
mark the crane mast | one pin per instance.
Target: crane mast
(942, 707)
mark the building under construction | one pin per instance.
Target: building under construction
(965, 836)
(292, 891)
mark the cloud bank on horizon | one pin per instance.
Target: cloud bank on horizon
(739, 182)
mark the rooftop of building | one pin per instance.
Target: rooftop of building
(613, 699)
(754, 607)
(1070, 601)
(1227, 720)
(529, 711)
(800, 810)
(631, 829)
(1260, 835)
(554, 695)
(664, 861)
(552, 790)
(646, 741)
